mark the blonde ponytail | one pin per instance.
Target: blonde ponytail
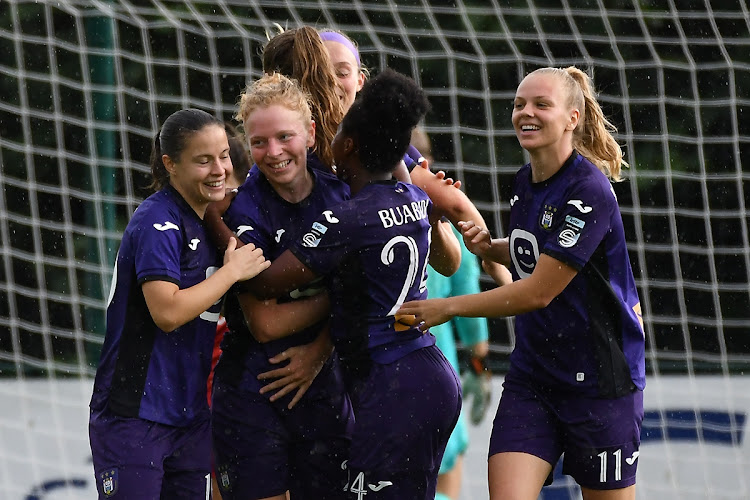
(593, 136)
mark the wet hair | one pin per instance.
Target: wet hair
(593, 136)
(241, 162)
(300, 54)
(382, 117)
(274, 89)
(172, 139)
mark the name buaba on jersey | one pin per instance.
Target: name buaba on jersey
(398, 216)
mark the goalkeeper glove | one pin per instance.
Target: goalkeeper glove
(477, 386)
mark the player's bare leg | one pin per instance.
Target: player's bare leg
(517, 476)
(449, 483)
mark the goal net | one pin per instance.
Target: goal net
(84, 85)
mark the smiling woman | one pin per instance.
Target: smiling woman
(577, 373)
(280, 197)
(149, 420)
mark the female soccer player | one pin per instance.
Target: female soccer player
(373, 251)
(264, 448)
(577, 371)
(149, 422)
(310, 58)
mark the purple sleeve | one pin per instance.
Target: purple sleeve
(158, 247)
(582, 225)
(412, 157)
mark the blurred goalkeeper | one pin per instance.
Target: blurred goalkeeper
(473, 334)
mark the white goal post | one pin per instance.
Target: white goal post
(84, 85)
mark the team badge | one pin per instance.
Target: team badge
(570, 232)
(109, 482)
(224, 481)
(312, 239)
(546, 220)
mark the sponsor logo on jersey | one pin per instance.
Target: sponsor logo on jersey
(580, 206)
(109, 482)
(631, 460)
(546, 219)
(379, 486)
(166, 226)
(524, 252)
(312, 238)
(278, 235)
(242, 229)
(575, 221)
(568, 237)
(570, 232)
(513, 200)
(194, 244)
(330, 217)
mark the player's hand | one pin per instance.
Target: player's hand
(426, 313)
(477, 239)
(247, 261)
(477, 387)
(305, 362)
(424, 164)
(218, 208)
(447, 180)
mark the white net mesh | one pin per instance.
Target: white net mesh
(84, 85)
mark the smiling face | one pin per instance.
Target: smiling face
(347, 71)
(542, 116)
(278, 138)
(199, 172)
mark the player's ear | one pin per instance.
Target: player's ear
(349, 146)
(169, 165)
(311, 134)
(575, 115)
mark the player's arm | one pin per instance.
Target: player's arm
(448, 200)
(285, 274)
(549, 279)
(172, 307)
(479, 242)
(218, 231)
(445, 250)
(268, 320)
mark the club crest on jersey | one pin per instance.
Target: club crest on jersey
(224, 480)
(570, 232)
(312, 238)
(545, 220)
(109, 482)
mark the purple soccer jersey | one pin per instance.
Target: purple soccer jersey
(574, 217)
(258, 215)
(262, 448)
(144, 372)
(375, 248)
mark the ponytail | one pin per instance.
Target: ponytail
(301, 55)
(159, 174)
(593, 137)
